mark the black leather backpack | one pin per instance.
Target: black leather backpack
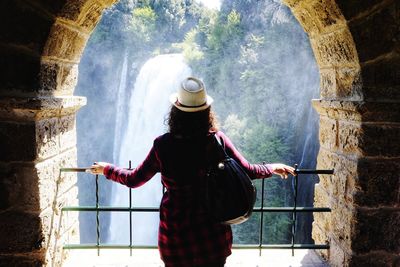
(229, 192)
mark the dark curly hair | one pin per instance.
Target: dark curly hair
(191, 124)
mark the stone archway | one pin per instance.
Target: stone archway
(357, 50)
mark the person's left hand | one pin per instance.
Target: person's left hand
(282, 170)
(98, 167)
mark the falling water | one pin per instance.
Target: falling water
(121, 95)
(159, 77)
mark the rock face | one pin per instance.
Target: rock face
(357, 48)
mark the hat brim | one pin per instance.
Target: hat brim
(174, 101)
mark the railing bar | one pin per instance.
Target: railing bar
(156, 209)
(312, 171)
(237, 246)
(74, 169)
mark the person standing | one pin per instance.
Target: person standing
(187, 237)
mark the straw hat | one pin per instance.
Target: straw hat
(191, 96)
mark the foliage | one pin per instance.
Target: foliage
(244, 52)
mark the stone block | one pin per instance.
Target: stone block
(21, 260)
(376, 229)
(358, 111)
(370, 39)
(328, 83)
(340, 82)
(83, 13)
(291, 3)
(335, 49)
(17, 141)
(320, 237)
(53, 183)
(343, 220)
(51, 6)
(337, 255)
(54, 135)
(24, 25)
(381, 78)
(378, 180)
(19, 71)
(30, 187)
(65, 43)
(20, 232)
(19, 187)
(369, 139)
(67, 132)
(328, 130)
(348, 83)
(352, 9)
(318, 16)
(47, 138)
(375, 259)
(342, 184)
(380, 139)
(350, 136)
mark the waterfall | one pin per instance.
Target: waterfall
(159, 77)
(121, 95)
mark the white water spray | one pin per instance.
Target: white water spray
(159, 77)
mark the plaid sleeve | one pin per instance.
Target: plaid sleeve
(255, 171)
(136, 177)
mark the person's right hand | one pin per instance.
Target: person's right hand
(282, 170)
(98, 167)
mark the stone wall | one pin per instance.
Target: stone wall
(40, 52)
(356, 45)
(357, 48)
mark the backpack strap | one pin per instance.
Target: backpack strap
(221, 146)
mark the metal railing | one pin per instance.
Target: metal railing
(294, 210)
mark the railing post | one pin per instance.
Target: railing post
(130, 215)
(260, 240)
(97, 216)
(294, 214)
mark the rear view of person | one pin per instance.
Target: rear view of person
(187, 236)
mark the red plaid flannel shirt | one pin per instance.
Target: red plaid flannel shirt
(186, 237)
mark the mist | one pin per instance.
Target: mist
(257, 64)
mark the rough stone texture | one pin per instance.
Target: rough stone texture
(386, 112)
(19, 71)
(16, 141)
(368, 30)
(19, 188)
(340, 82)
(23, 224)
(65, 43)
(17, 138)
(23, 32)
(83, 13)
(317, 16)
(58, 78)
(342, 185)
(14, 260)
(328, 133)
(375, 259)
(375, 176)
(335, 49)
(37, 108)
(369, 139)
(353, 9)
(381, 78)
(377, 229)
